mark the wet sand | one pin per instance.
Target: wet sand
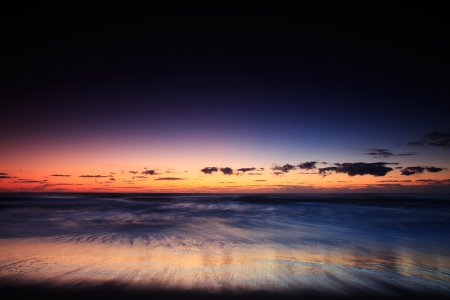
(222, 247)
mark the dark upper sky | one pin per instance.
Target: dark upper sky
(262, 74)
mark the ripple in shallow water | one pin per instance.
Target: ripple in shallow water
(228, 243)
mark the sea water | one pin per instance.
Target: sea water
(316, 244)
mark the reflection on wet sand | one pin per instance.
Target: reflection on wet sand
(182, 265)
(286, 244)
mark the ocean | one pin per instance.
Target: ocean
(225, 245)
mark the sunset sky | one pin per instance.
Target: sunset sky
(238, 99)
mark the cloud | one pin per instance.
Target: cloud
(255, 173)
(434, 180)
(92, 176)
(327, 171)
(6, 176)
(149, 172)
(434, 169)
(209, 170)
(286, 168)
(409, 153)
(29, 181)
(60, 175)
(169, 178)
(309, 165)
(377, 153)
(394, 181)
(408, 171)
(243, 170)
(227, 171)
(359, 168)
(437, 138)
(259, 180)
(133, 172)
(58, 184)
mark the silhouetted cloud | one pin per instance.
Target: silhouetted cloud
(227, 171)
(260, 169)
(169, 178)
(434, 169)
(259, 180)
(58, 184)
(209, 170)
(377, 153)
(440, 181)
(29, 181)
(6, 176)
(420, 169)
(286, 168)
(92, 176)
(409, 153)
(309, 165)
(149, 172)
(394, 181)
(411, 171)
(359, 168)
(133, 172)
(437, 138)
(327, 171)
(254, 173)
(60, 175)
(243, 170)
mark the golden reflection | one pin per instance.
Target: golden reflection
(171, 264)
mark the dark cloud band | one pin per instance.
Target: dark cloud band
(359, 168)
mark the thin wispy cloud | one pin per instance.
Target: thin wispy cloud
(243, 170)
(169, 178)
(437, 138)
(394, 180)
(438, 181)
(6, 176)
(379, 153)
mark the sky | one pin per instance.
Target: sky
(224, 98)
